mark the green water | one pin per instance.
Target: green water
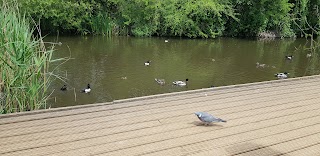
(115, 69)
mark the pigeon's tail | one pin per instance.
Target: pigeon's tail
(222, 120)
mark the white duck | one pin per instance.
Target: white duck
(180, 83)
(281, 75)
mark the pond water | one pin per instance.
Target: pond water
(114, 67)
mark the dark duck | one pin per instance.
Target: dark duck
(63, 88)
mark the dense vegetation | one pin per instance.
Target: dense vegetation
(190, 18)
(24, 63)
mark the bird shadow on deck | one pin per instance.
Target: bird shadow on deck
(199, 123)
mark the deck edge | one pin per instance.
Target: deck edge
(152, 97)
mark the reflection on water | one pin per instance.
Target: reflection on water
(115, 68)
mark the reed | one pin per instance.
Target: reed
(24, 63)
(101, 24)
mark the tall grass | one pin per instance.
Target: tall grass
(24, 63)
(101, 24)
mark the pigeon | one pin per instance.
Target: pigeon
(207, 118)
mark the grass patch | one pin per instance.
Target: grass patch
(101, 24)
(24, 62)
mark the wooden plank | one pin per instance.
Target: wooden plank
(263, 144)
(43, 114)
(111, 115)
(267, 118)
(199, 133)
(311, 150)
(163, 118)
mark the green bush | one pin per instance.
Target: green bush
(260, 16)
(190, 18)
(60, 15)
(198, 18)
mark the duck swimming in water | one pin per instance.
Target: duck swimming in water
(63, 88)
(308, 55)
(281, 75)
(147, 63)
(289, 57)
(260, 65)
(86, 90)
(180, 83)
(160, 81)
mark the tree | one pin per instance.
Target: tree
(261, 16)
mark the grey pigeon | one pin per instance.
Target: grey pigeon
(207, 118)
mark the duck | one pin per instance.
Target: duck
(63, 88)
(308, 55)
(160, 81)
(281, 75)
(166, 41)
(260, 65)
(86, 90)
(180, 83)
(147, 63)
(289, 57)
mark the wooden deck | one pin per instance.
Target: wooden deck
(280, 117)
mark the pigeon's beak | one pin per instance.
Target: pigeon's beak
(198, 114)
